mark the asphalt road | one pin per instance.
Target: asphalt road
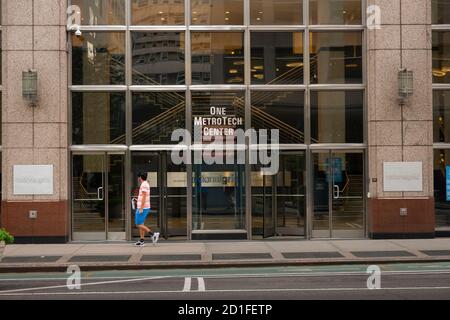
(406, 281)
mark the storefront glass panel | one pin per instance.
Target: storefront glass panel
(441, 116)
(158, 58)
(217, 12)
(216, 115)
(280, 110)
(103, 12)
(156, 115)
(337, 117)
(157, 12)
(277, 58)
(217, 57)
(98, 118)
(441, 56)
(98, 58)
(440, 11)
(273, 12)
(336, 57)
(330, 12)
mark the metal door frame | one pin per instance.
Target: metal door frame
(330, 153)
(105, 182)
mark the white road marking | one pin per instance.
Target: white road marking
(226, 291)
(201, 284)
(82, 285)
(187, 284)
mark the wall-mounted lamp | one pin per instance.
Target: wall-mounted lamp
(29, 86)
(405, 84)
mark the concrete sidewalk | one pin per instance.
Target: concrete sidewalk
(167, 254)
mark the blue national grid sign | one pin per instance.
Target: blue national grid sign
(447, 181)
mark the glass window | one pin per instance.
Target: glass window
(282, 110)
(158, 58)
(217, 12)
(335, 12)
(217, 58)
(274, 12)
(277, 57)
(98, 58)
(441, 56)
(337, 117)
(98, 118)
(441, 199)
(156, 115)
(441, 116)
(103, 12)
(216, 115)
(336, 57)
(157, 12)
(440, 11)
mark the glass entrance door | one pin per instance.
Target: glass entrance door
(98, 206)
(174, 219)
(168, 193)
(338, 192)
(290, 195)
(218, 198)
(279, 201)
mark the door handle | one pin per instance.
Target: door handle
(336, 192)
(98, 193)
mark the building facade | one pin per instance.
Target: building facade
(117, 79)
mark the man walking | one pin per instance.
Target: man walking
(142, 211)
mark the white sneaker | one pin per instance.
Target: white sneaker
(155, 238)
(139, 243)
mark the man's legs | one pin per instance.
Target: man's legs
(143, 229)
(141, 232)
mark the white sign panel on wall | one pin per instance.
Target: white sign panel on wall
(403, 176)
(152, 179)
(33, 180)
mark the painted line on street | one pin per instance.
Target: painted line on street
(187, 284)
(83, 285)
(201, 284)
(226, 291)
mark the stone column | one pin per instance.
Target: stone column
(34, 37)
(396, 133)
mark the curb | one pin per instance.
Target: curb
(52, 267)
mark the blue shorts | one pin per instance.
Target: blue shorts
(139, 218)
